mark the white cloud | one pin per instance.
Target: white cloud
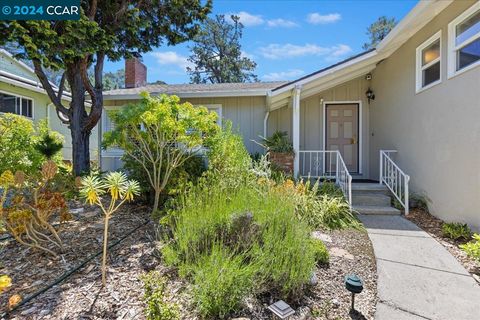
(277, 51)
(172, 58)
(317, 18)
(284, 75)
(281, 23)
(248, 19)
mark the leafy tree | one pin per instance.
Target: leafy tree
(160, 134)
(112, 29)
(114, 80)
(378, 30)
(217, 53)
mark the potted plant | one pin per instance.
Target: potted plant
(280, 150)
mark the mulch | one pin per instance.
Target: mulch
(433, 226)
(80, 296)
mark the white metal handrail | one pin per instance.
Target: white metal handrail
(394, 178)
(326, 164)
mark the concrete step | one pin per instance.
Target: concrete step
(371, 199)
(376, 210)
(369, 188)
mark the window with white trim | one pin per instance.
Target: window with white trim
(464, 41)
(10, 103)
(429, 62)
(217, 108)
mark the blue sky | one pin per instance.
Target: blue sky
(286, 38)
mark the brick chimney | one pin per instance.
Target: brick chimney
(135, 73)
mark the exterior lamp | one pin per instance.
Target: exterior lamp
(370, 95)
(281, 309)
(353, 284)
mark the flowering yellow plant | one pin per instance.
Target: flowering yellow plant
(120, 190)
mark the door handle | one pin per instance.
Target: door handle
(353, 140)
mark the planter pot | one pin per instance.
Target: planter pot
(283, 160)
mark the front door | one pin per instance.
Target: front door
(342, 132)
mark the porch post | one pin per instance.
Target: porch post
(296, 129)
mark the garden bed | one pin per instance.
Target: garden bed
(81, 296)
(433, 226)
(76, 297)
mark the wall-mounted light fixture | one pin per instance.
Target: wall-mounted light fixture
(370, 95)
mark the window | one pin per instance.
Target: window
(429, 63)
(217, 108)
(464, 41)
(14, 104)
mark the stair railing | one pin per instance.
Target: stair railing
(326, 164)
(394, 178)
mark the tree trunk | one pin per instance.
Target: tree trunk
(78, 117)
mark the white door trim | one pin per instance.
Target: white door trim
(360, 126)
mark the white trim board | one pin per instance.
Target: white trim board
(360, 129)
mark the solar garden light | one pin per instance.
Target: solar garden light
(281, 309)
(353, 284)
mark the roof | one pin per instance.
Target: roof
(28, 80)
(325, 69)
(197, 90)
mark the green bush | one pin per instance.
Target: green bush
(221, 280)
(456, 231)
(158, 308)
(323, 208)
(472, 249)
(320, 251)
(259, 236)
(278, 142)
(18, 141)
(229, 162)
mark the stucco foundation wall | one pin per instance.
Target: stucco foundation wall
(436, 132)
(311, 117)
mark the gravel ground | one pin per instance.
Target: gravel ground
(433, 226)
(81, 296)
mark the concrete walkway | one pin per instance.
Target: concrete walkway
(417, 277)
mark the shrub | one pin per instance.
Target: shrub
(120, 190)
(221, 281)
(320, 251)
(229, 162)
(50, 143)
(456, 231)
(160, 133)
(329, 211)
(278, 142)
(472, 249)
(158, 308)
(252, 232)
(328, 188)
(17, 142)
(33, 207)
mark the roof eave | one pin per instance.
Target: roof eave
(187, 94)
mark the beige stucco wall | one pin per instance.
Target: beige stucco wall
(311, 117)
(41, 104)
(437, 131)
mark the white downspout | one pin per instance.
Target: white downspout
(265, 124)
(296, 129)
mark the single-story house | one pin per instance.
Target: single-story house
(22, 93)
(406, 113)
